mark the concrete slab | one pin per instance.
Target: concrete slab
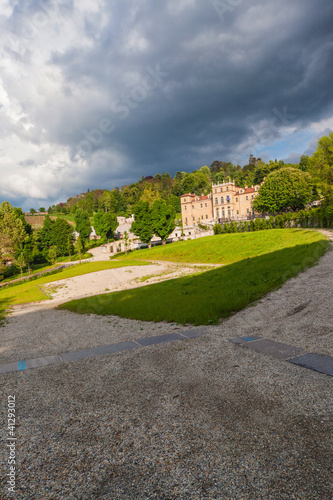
(317, 362)
(8, 368)
(160, 339)
(275, 349)
(98, 351)
(192, 334)
(40, 362)
(243, 340)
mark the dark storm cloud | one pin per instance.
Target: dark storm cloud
(150, 86)
(224, 77)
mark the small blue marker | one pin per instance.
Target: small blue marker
(21, 365)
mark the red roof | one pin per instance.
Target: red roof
(247, 190)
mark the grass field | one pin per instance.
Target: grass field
(257, 263)
(33, 291)
(227, 248)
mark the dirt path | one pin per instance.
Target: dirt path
(109, 280)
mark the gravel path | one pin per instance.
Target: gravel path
(197, 419)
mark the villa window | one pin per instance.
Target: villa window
(200, 205)
(247, 210)
(237, 212)
(246, 198)
(184, 200)
(185, 207)
(186, 219)
(192, 206)
(227, 188)
(236, 199)
(215, 190)
(206, 205)
(229, 212)
(206, 216)
(252, 196)
(202, 217)
(222, 199)
(217, 213)
(221, 190)
(216, 201)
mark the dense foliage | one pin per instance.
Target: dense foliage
(121, 201)
(321, 167)
(284, 190)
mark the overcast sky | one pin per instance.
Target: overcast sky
(96, 94)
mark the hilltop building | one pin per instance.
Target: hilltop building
(226, 202)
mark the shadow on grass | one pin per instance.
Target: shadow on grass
(207, 297)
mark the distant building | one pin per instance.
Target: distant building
(196, 208)
(226, 201)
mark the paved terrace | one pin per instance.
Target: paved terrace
(192, 417)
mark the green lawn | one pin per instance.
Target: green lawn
(258, 263)
(33, 291)
(228, 248)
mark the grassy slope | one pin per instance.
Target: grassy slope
(207, 297)
(31, 291)
(227, 248)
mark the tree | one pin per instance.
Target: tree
(105, 223)
(13, 235)
(163, 218)
(61, 233)
(143, 224)
(70, 247)
(82, 223)
(286, 189)
(79, 247)
(52, 254)
(126, 240)
(321, 166)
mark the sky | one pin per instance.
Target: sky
(98, 93)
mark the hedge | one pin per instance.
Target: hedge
(319, 217)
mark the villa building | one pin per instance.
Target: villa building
(226, 202)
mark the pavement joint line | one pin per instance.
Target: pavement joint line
(300, 359)
(66, 357)
(320, 363)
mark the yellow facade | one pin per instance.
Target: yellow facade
(196, 209)
(227, 201)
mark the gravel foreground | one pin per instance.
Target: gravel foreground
(197, 419)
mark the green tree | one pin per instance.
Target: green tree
(13, 235)
(79, 247)
(286, 189)
(82, 224)
(126, 240)
(61, 232)
(105, 224)
(321, 167)
(143, 223)
(52, 254)
(163, 218)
